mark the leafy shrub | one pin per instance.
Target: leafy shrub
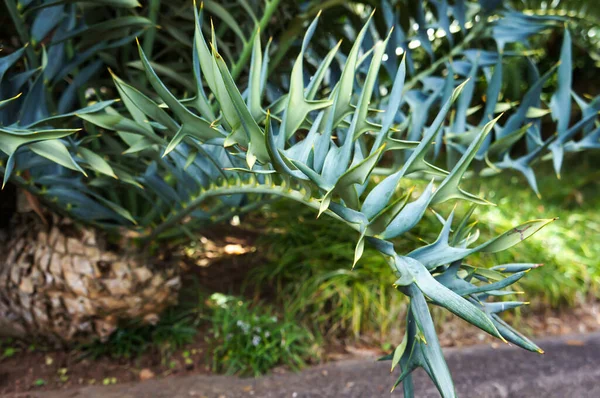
(252, 340)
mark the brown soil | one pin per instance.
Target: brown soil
(25, 370)
(41, 370)
(221, 265)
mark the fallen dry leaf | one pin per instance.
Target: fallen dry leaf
(146, 374)
(577, 343)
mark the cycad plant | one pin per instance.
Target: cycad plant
(59, 279)
(336, 137)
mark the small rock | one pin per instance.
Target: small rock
(146, 374)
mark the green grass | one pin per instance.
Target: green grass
(251, 340)
(307, 272)
(569, 248)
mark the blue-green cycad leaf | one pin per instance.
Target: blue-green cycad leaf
(255, 81)
(518, 27)
(345, 186)
(46, 20)
(360, 123)
(394, 102)
(96, 162)
(516, 120)
(590, 141)
(409, 216)
(56, 151)
(256, 145)
(460, 120)
(34, 105)
(441, 295)
(440, 252)
(560, 104)
(8, 61)
(557, 147)
(192, 124)
(7, 101)
(515, 267)
(11, 139)
(298, 106)
(379, 196)
(512, 336)
(141, 107)
(432, 351)
(68, 99)
(449, 188)
(343, 91)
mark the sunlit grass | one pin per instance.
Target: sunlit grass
(569, 248)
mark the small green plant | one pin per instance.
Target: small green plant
(250, 340)
(9, 348)
(39, 382)
(176, 328)
(9, 352)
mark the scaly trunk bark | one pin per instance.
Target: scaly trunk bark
(59, 283)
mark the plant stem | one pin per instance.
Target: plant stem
(21, 29)
(170, 235)
(278, 190)
(150, 34)
(247, 50)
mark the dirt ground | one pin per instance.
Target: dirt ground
(53, 370)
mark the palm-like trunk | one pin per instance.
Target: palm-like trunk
(59, 283)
